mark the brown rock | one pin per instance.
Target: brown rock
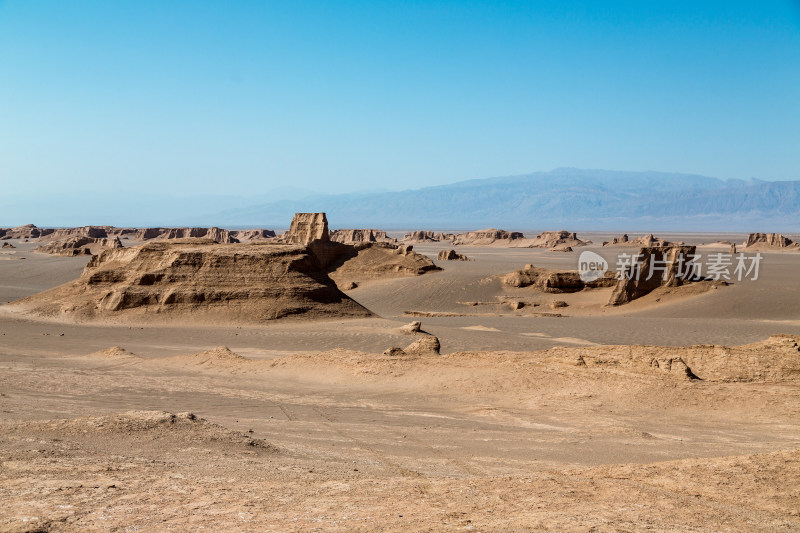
(413, 327)
(426, 345)
(452, 255)
(770, 241)
(373, 260)
(629, 288)
(486, 237)
(72, 246)
(417, 237)
(165, 281)
(307, 228)
(356, 236)
(647, 241)
(554, 239)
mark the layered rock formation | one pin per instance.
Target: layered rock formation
(551, 281)
(486, 237)
(203, 282)
(452, 255)
(252, 235)
(357, 236)
(770, 241)
(307, 228)
(668, 268)
(72, 246)
(28, 231)
(554, 239)
(647, 241)
(419, 237)
(378, 260)
(215, 234)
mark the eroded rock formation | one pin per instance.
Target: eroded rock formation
(657, 267)
(419, 237)
(553, 239)
(452, 255)
(770, 241)
(357, 236)
(377, 260)
(203, 282)
(215, 234)
(647, 241)
(552, 281)
(487, 237)
(72, 246)
(28, 231)
(307, 228)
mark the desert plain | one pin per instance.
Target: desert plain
(541, 411)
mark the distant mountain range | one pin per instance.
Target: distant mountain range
(566, 197)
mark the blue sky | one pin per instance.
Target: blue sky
(244, 97)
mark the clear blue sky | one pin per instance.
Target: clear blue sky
(342, 96)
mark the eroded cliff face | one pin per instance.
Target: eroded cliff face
(486, 237)
(307, 228)
(770, 241)
(358, 236)
(202, 282)
(667, 268)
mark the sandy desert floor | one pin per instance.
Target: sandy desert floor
(526, 422)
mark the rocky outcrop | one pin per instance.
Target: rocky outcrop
(420, 237)
(647, 241)
(166, 281)
(770, 241)
(552, 281)
(357, 236)
(376, 260)
(554, 239)
(667, 271)
(426, 345)
(215, 234)
(307, 228)
(72, 246)
(452, 255)
(8, 245)
(561, 248)
(251, 235)
(487, 237)
(28, 231)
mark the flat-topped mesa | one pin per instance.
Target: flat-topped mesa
(770, 241)
(213, 233)
(201, 282)
(658, 266)
(647, 241)
(487, 237)
(28, 231)
(419, 237)
(91, 232)
(80, 245)
(307, 228)
(554, 239)
(355, 236)
(249, 235)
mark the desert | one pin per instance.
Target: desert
(502, 267)
(176, 383)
